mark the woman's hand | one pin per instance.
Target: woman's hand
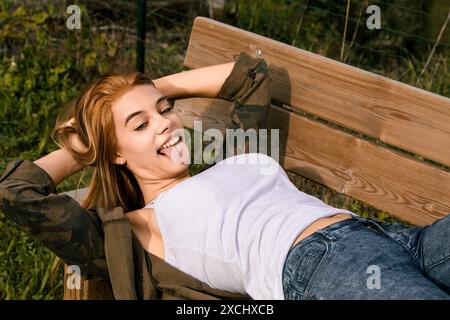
(60, 163)
(74, 139)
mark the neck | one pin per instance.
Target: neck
(151, 189)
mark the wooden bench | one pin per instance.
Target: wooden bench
(374, 139)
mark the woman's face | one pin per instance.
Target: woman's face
(144, 121)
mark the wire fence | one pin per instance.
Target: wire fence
(408, 30)
(406, 47)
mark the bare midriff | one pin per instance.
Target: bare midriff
(320, 224)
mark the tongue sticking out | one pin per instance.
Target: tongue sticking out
(175, 151)
(166, 151)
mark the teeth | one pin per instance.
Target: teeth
(172, 141)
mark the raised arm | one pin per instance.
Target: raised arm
(204, 82)
(244, 82)
(248, 89)
(242, 87)
(59, 165)
(28, 197)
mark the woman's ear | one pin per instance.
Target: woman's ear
(120, 160)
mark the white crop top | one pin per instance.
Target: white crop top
(232, 225)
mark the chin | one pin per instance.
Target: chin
(176, 170)
(172, 167)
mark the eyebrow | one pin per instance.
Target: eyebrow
(130, 116)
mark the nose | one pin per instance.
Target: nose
(165, 124)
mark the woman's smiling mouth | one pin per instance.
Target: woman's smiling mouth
(167, 148)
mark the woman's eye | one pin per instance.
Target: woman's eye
(167, 110)
(142, 126)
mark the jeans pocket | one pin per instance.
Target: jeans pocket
(302, 265)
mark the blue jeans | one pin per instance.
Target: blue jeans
(361, 258)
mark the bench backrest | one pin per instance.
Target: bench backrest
(364, 135)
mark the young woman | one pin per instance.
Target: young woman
(229, 226)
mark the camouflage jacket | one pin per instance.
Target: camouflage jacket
(80, 237)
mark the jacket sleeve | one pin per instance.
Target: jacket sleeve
(28, 198)
(248, 88)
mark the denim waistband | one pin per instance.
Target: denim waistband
(336, 230)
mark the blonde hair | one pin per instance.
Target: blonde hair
(111, 185)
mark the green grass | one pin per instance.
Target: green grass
(25, 266)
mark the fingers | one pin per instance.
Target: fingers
(70, 123)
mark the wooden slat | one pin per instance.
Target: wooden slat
(398, 114)
(388, 180)
(191, 109)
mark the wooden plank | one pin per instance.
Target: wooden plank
(409, 189)
(398, 114)
(202, 109)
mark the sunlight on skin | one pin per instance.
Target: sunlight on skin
(139, 139)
